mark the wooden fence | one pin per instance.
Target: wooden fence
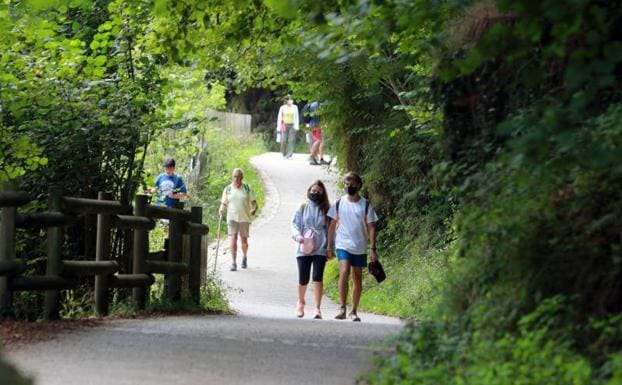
(62, 274)
(237, 124)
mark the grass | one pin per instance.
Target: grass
(414, 280)
(225, 154)
(212, 300)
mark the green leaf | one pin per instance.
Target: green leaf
(283, 8)
(100, 60)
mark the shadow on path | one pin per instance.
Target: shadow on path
(263, 344)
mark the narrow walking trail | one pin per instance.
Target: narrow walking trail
(268, 288)
(262, 343)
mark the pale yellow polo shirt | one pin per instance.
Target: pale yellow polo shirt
(238, 202)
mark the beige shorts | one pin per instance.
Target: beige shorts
(241, 228)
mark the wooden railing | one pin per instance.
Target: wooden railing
(62, 274)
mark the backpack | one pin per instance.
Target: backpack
(308, 241)
(245, 186)
(366, 208)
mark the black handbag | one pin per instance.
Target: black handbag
(375, 269)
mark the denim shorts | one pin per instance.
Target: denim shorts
(356, 260)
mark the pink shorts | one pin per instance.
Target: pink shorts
(317, 134)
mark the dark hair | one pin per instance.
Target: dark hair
(353, 177)
(325, 203)
(169, 162)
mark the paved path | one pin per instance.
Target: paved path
(263, 343)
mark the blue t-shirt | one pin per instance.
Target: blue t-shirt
(166, 184)
(314, 120)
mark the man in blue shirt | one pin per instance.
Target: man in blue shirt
(169, 186)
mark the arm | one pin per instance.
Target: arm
(253, 207)
(296, 230)
(330, 239)
(371, 230)
(223, 203)
(279, 118)
(296, 119)
(156, 186)
(178, 195)
(182, 192)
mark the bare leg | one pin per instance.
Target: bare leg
(357, 287)
(321, 148)
(234, 246)
(344, 275)
(244, 241)
(314, 149)
(300, 306)
(318, 290)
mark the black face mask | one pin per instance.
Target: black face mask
(315, 197)
(351, 190)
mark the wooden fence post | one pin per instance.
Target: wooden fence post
(102, 253)
(194, 263)
(7, 252)
(172, 282)
(54, 254)
(140, 252)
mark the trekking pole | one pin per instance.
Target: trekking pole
(217, 243)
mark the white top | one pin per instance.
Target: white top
(280, 117)
(309, 216)
(238, 202)
(351, 234)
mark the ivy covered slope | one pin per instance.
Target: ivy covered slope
(488, 134)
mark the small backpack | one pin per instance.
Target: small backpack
(309, 238)
(245, 186)
(308, 241)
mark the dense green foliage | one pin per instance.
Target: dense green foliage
(487, 132)
(488, 137)
(89, 104)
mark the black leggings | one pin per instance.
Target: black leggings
(304, 268)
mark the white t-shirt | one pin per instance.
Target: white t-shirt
(238, 201)
(351, 234)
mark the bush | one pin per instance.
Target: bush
(444, 352)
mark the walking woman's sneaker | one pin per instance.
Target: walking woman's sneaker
(342, 313)
(234, 267)
(244, 263)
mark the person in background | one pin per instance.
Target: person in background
(352, 228)
(310, 220)
(169, 186)
(239, 202)
(313, 124)
(287, 124)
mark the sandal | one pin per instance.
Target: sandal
(300, 309)
(354, 317)
(318, 314)
(342, 313)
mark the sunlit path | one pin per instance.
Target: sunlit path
(263, 343)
